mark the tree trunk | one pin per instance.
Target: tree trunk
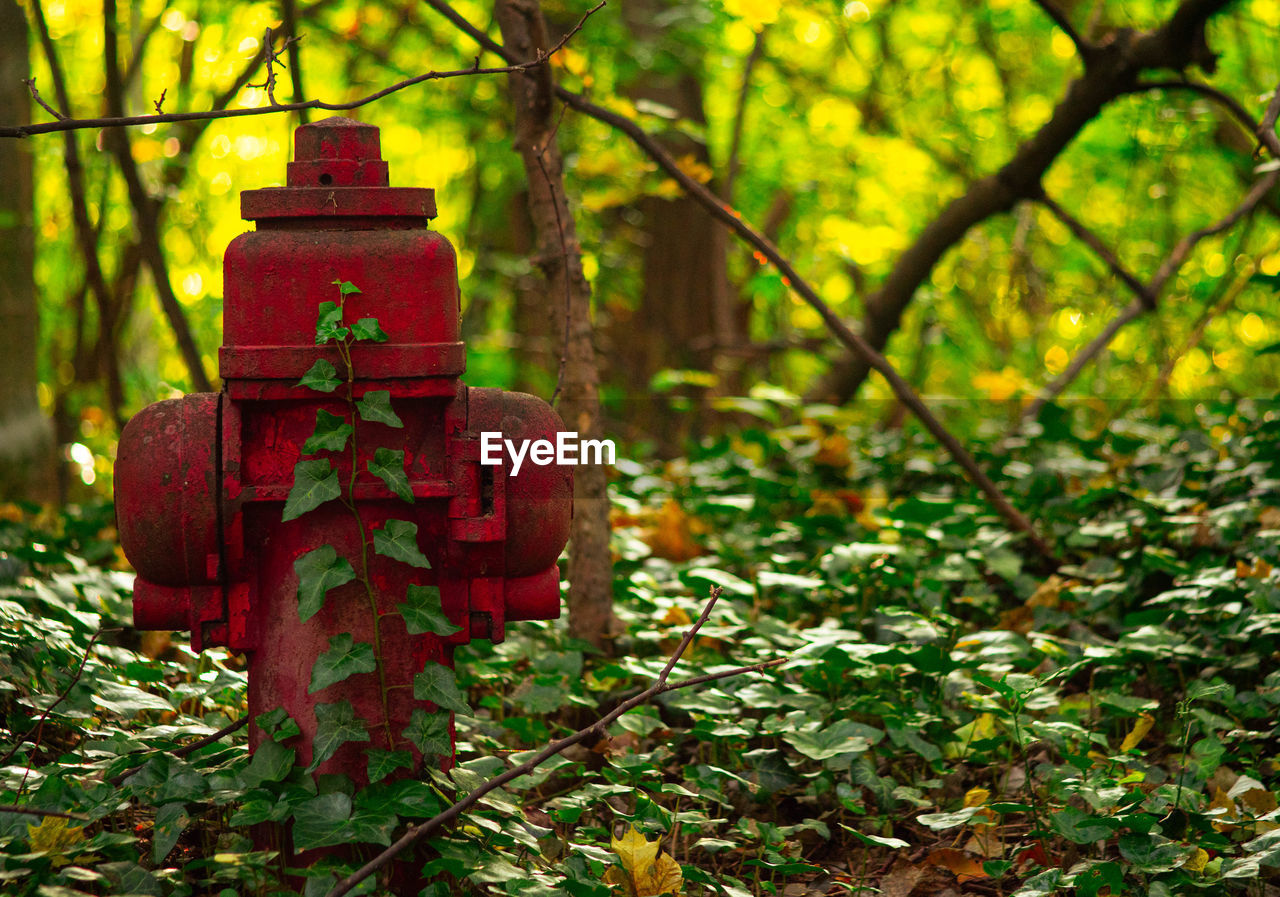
(590, 565)
(688, 314)
(27, 462)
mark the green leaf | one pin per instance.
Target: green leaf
(1080, 827)
(383, 763)
(345, 658)
(322, 377)
(388, 466)
(375, 407)
(271, 763)
(277, 723)
(171, 821)
(319, 571)
(422, 612)
(1272, 349)
(346, 287)
(1098, 876)
(321, 821)
(429, 733)
(841, 737)
(314, 483)
(439, 685)
(330, 434)
(336, 724)
(329, 324)
(368, 329)
(398, 540)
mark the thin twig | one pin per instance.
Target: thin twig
(597, 729)
(1149, 294)
(128, 121)
(35, 95)
(1094, 242)
(1223, 99)
(33, 811)
(740, 114)
(186, 749)
(734, 220)
(38, 729)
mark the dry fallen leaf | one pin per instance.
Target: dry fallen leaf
(1141, 726)
(645, 870)
(958, 863)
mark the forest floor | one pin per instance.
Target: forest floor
(951, 718)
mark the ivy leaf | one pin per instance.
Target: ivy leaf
(329, 324)
(398, 540)
(321, 821)
(277, 723)
(318, 572)
(439, 685)
(336, 725)
(330, 434)
(344, 658)
(322, 377)
(314, 483)
(346, 287)
(388, 466)
(375, 407)
(271, 763)
(383, 763)
(422, 612)
(171, 821)
(368, 329)
(429, 733)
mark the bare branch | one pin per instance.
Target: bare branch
(1149, 294)
(733, 219)
(1094, 242)
(597, 729)
(62, 696)
(187, 749)
(35, 95)
(128, 121)
(1222, 98)
(33, 811)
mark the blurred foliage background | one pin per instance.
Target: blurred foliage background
(839, 128)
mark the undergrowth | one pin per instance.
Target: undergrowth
(952, 717)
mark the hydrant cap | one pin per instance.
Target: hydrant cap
(337, 152)
(337, 172)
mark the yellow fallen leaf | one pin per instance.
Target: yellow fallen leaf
(55, 837)
(1197, 860)
(1141, 727)
(645, 871)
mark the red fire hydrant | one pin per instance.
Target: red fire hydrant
(202, 482)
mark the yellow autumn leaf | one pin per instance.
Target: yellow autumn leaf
(1139, 731)
(999, 385)
(976, 797)
(1197, 860)
(645, 871)
(756, 13)
(55, 837)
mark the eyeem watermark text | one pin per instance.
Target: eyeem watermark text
(567, 449)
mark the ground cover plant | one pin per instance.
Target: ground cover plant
(951, 717)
